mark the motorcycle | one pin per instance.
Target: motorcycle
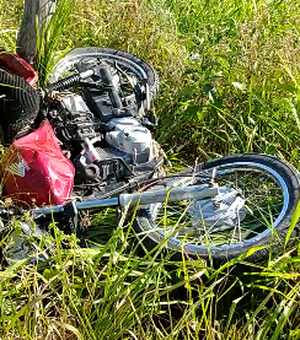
(96, 116)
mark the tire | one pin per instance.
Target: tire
(138, 66)
(19, 106)
(282, 174)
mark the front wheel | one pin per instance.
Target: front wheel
(258, 196)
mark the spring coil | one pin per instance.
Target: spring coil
(63, 84)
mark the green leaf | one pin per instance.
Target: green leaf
(293, 224)
(289, 88)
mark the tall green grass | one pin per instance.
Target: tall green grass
(229, 83)
(111, 292)
(49, 40)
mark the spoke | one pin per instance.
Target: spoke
(236, 178)
(263, 195)
(247, 174)
(259, 188)
(248, 184)
(212, 226)
(169, 215)
(249, 230)
(179, 221)
(206, 234)
(257, 208)
(233, 233)
(261, 222)
(239, 227)
(256, 190)
(273, 206)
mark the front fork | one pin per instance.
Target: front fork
(174, 194)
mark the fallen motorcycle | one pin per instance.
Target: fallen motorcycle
(87, 135)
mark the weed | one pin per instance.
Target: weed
(230, 83)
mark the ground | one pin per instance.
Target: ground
(229, 75)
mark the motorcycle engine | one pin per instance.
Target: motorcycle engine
(108, 149)
(129, 136)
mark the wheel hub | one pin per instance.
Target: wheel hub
(225, 211)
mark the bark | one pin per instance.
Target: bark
(36, 15)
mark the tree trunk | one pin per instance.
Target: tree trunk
(36, 15)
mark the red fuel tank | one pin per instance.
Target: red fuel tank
(35, 170)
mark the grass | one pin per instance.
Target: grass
(229, 83)
(110, 293)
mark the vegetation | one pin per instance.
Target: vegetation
(229, 83)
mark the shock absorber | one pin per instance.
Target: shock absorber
(68, 82)
(108, 82)
(63, 84)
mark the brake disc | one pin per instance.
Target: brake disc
(223, 212)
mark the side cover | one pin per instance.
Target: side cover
(35, 170)
(18, 66)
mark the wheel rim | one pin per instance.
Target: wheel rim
(266, 204)
(67, 63)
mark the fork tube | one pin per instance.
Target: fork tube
(98, 204)
(195, 192)
(85, 205)
(172, 195)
